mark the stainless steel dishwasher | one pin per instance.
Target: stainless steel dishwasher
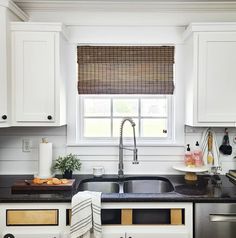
(216, 220)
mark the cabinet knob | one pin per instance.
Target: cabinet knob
(9, 236)
(49, 117)
(4, 117)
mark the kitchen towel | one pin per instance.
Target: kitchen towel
(45, 159)
(86, 215)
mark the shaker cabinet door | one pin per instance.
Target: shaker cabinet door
(33, 56)
(3, 102)
(112, 235)
(216, 77)
(158, 235)
(3, 80)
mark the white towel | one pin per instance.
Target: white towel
(86, 215)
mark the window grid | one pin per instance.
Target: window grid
(139, 117)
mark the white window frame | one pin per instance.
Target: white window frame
(178, 113)
(170, 124)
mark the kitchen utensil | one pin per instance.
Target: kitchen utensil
(226, 148)
(210, 156)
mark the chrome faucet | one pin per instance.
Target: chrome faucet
(215, 170)
(121, 148)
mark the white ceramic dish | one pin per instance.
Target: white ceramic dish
(184, 168)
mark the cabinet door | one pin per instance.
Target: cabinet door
(217, 77)
(113, 235)
(158, 235)
(34, 76)
(3, 76)
(3, 101)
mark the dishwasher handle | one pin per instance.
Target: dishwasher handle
(231, 217)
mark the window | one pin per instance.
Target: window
(115, 82)
(101, 116)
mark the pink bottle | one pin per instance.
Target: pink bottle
(189, 159)
(198, 155)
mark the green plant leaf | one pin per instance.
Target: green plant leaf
(69, 162)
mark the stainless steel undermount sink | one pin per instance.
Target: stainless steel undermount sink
(129, 185)
(100, 186)
(148, 185)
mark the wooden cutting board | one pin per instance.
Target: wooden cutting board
(21, 185)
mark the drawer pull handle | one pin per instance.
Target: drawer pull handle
(223, 217)
(9, 236)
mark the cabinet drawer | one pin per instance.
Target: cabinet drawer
(142, 216)
(32, 217)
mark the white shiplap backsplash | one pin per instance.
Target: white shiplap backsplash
(14, 161)
(153, 160)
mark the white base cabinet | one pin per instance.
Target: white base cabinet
(184, 230)
(52, 221)
(210, 74)
(13, 213)
(140, 233)
(39, 58)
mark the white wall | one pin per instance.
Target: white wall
(155, 160)
(111, 27)
(14, 161)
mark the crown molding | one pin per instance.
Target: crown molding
(15, 9)
(40, 26)
(126, 5)
(209, 27)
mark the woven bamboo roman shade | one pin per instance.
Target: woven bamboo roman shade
(125, 69)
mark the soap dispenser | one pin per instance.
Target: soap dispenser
(198, 155)
(189, 157)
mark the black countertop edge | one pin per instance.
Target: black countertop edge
(192, 199)
(124, 200)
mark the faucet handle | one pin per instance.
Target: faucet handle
(135, 160)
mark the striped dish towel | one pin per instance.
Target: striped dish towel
(86, 215)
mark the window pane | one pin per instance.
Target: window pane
(97, 127)
(128, 129)
(97, 107)
(154, 127)
(154, 107)
(125, 107)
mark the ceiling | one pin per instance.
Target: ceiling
(125, 5)
(126, 1)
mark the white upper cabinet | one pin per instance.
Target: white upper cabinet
(37, 74)
(210, 57)
(34, 76)
(4, 66)
(217, 77)
(3, 81)
(8, 12)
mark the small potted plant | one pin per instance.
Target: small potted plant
(67, 165)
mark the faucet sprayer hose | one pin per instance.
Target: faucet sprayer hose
(123, 122)
(121, 147)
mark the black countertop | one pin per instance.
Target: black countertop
(205, 190)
